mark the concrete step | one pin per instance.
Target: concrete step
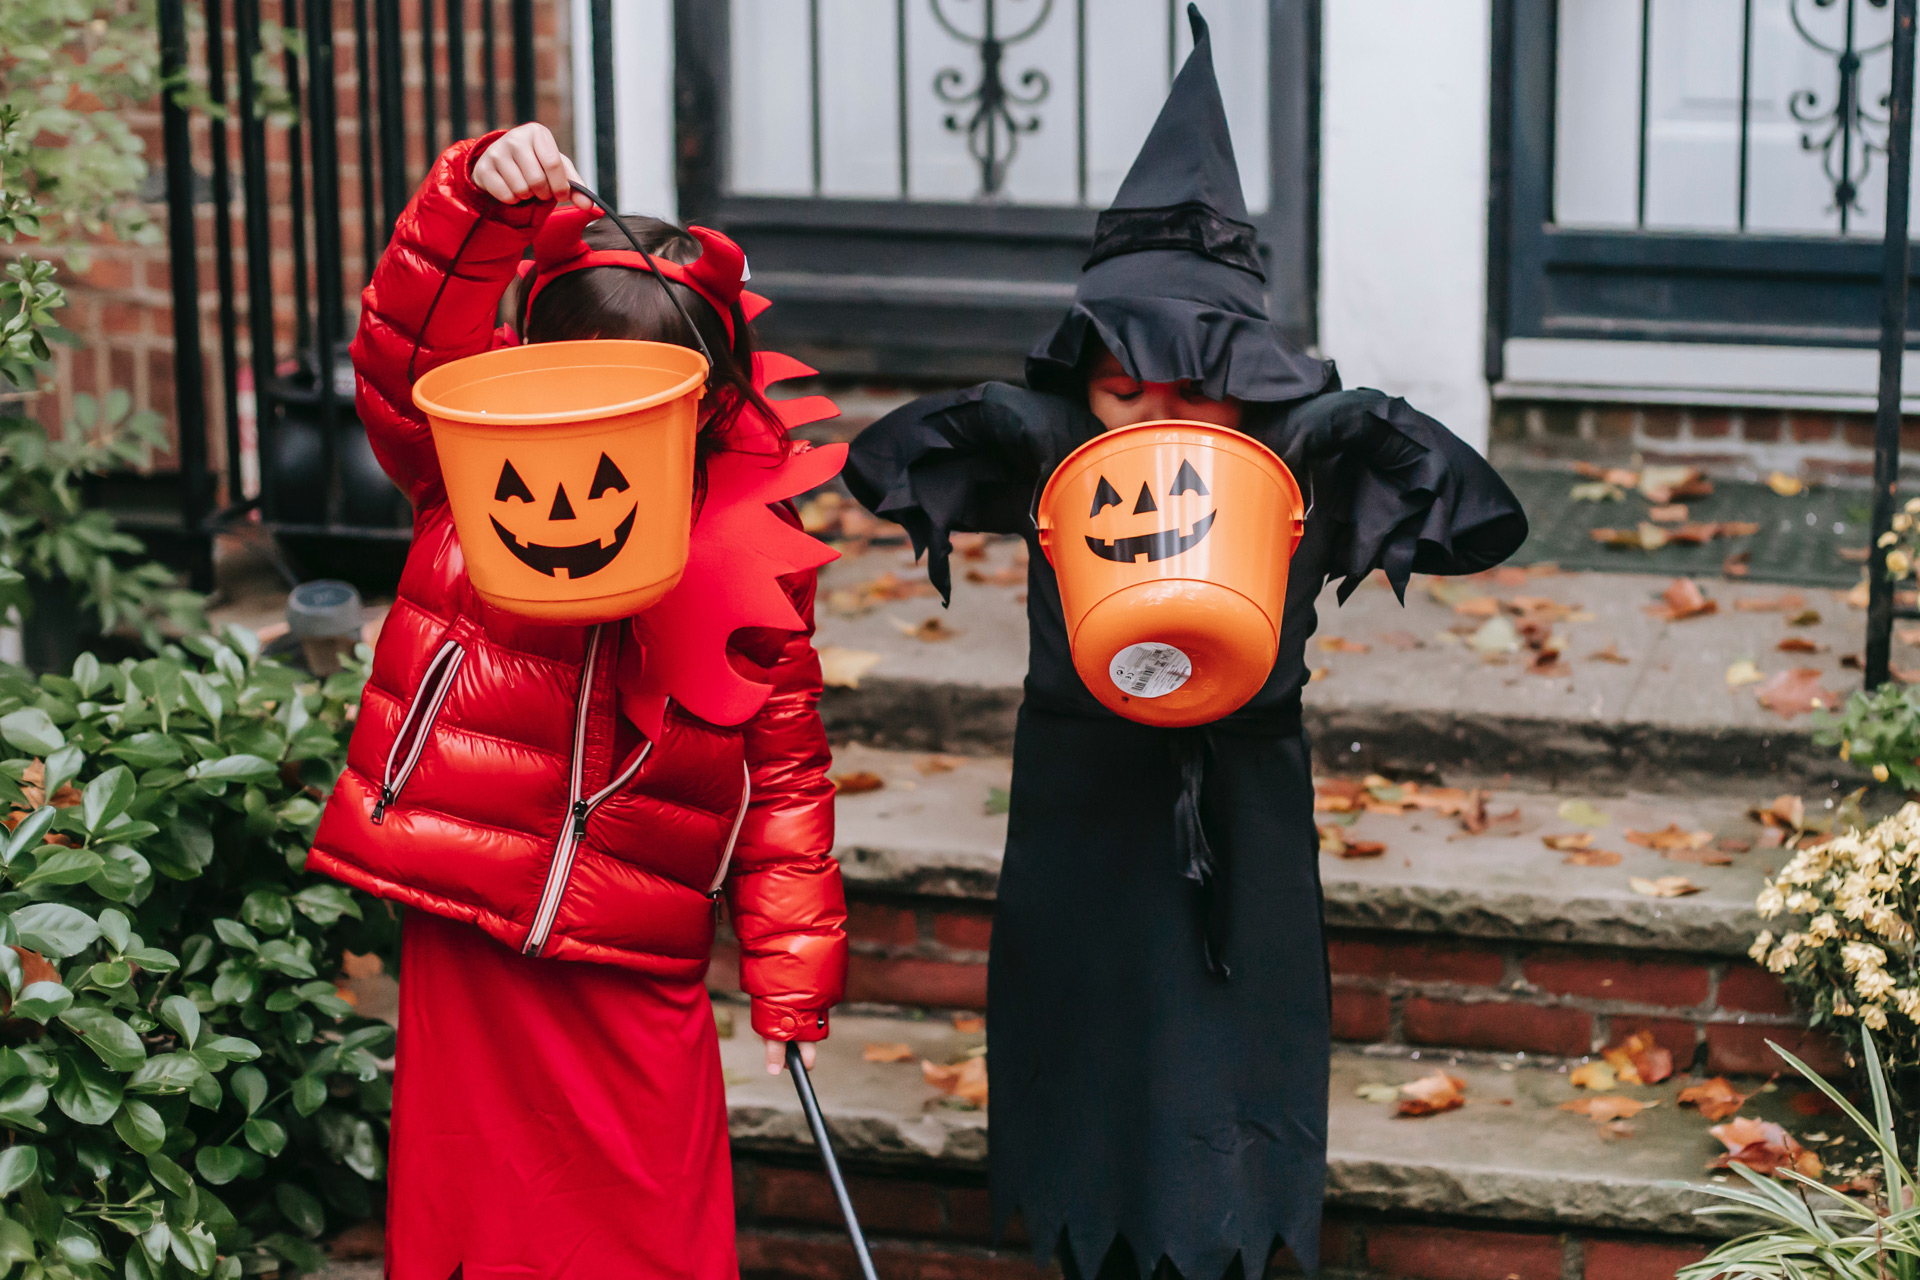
(1446, 939)
(1420, 698)
(1509, 1156)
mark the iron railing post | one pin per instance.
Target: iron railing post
(1895, 272)
(259, 230)
(189, 373)
(328, 281)
(394, 188)
(524, 101)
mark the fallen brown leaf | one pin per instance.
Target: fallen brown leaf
(889, 586)
(852, 784)
(933, 764)
(969, 1024)
(1009, 577)
(1670, 837)
(1798, 644)
(1672, 513)
(1568, 842)
(1733, 844)
(932, 629)
(888, 1053)
(1738, 564)
(1638, 1060)
(1664, 886)
(1338, 795)
(1787, 813)
(1785, 485)
(1340, 644)
(1700, 857)
(1432, 1094)
(1592, 858)
(1478, 607)
(842, 668)
(1609, 654)
(1795, 692)
(1805, 618)
(1612, 1106)
(1787, 602)
(1402, 641)
(1591, 1075)
(1763, 1147)
(1716, 1099)
(1683, 599)
(966, 1081)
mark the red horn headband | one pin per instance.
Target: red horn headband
(716, 275)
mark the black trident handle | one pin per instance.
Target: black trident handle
(803, 1085)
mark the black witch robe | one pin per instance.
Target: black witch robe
(1158, 1000)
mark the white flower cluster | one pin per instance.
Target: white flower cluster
(1859, 897)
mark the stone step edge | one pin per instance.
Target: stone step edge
(933, 716)
(1669, 925)
(877, 1139)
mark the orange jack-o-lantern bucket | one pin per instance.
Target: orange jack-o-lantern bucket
(569, 468)
(1171, 541)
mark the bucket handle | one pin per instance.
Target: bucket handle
(640, 249)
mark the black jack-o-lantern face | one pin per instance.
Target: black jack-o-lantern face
(1161, 543)
(575, 559)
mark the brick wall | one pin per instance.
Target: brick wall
(120, 306)
(1408, 990)
(1744, 443)
(931, 1227)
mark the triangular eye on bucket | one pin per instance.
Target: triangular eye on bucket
(1103, 497)
(607, 479)
(1144, 503)
(511, 485)
(1187, 481)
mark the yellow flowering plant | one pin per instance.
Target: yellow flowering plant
(1848, 944)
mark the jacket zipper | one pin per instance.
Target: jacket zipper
(416, 725)
(579, 809)
(739, 820)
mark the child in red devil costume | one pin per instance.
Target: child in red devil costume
(560, 806)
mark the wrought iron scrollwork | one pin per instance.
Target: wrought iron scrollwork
(994, 127)
(1846, 130)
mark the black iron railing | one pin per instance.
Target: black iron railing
(317, 477)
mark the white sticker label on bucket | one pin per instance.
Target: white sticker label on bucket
(1149, 669)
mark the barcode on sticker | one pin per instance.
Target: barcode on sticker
(1149, 669)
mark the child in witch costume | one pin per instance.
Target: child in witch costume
(1157, 991)
(560, 806)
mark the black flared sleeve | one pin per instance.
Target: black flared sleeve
(962, 462)
(1413, 496)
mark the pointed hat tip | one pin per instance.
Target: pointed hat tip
(1195, 21)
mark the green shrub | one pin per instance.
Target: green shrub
(1878, 731)
(192, 1096)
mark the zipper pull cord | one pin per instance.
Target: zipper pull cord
(380, 806)
(580, 810)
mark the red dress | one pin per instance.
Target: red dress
(538, 1104)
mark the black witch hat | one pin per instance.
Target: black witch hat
(1174, 286)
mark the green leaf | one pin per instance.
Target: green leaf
(183, 1015)
(140, 1127)
(233, 1048)
(169, 1174)
(152, 959)
(110, 975)
(63, 866)
(116, 928)
(202, 697)
(55, 929)
(264, 1136)
(235, 983)
(22, 1099)
(107, 1036)
(18, 1164)
(87, 674)
(267, 911)
(31, 730)
(30, 832)
(42, 1000)
(219, 1165)
(147, 750)
(234, 768)
(16, 1243)
(85, 1092)
(309, 1094)
(250, 1088)
(194, 1248)
(235, 934)
(166, 1073)
(324, 904)
(106, 797)
(63, 766)
(76, 1244)
(301, 1207)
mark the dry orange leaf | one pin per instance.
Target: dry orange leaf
(1795, 692)
(1609, 654)
(1592, 858)
(1786, 813)
(1009, 577)
(1664, 886)
(842, 668)
(1763, 1147)
(1334, 840)
(852, 784)
(1669, 838)
(888, 1053)
(1432, 1094)
(1613, 1106)
(1340, 644)
(1683, 599)
(1569, 842)
(1672, 513)
(1591, 1075)
(1788, 602)
(1716, 1099)
(1638, 1060)
(966, 1081)
(1798, 644)
(933, 764)
(1338, 795)
(930, 630)
(968, 1024)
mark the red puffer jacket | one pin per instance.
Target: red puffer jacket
(490, 779)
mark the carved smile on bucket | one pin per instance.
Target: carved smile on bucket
(578, 560)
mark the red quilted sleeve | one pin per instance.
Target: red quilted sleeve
(783, 892)
(434, 297)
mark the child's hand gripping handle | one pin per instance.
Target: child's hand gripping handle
(803, 1084)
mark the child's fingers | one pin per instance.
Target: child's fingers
(532, 173)
(776, 1056)
(489, 179)
(553, 167)
(573, 182)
